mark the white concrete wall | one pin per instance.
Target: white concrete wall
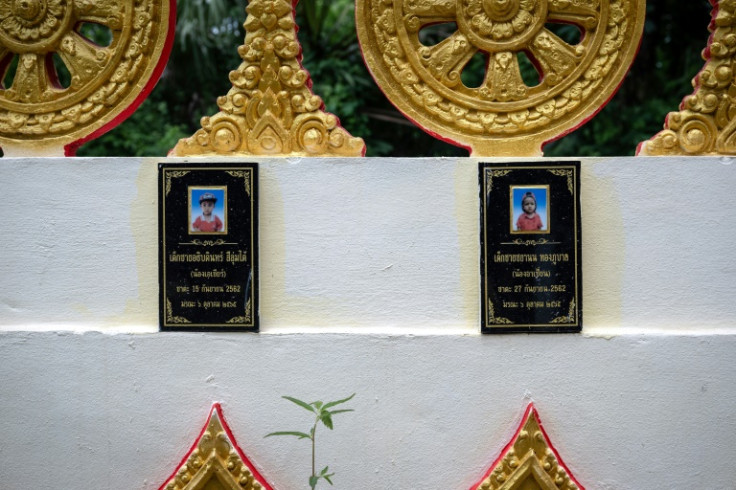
(369, 284)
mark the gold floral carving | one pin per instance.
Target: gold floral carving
(504, 115)
(529, 462)
(216, 463)
(270, 109)
(705, 123)
(40, 116)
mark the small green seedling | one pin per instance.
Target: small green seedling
(322, 414)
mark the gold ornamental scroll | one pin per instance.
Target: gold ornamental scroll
(507, 114)
(706, 121)
(105, 81)
(215, 462)
(270, 109)
(529, 462)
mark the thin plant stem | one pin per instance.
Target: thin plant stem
(314, 450)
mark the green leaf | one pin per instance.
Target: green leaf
(300, 435)
(324, 471)
(326, 419)
(317, 404)
(333, 412)
(313, 481)
(327, 477)
(302, 404)
(332, 404)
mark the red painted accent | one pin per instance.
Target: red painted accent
(71, 149)
(217, 408)
(529, 410)
(605, 103)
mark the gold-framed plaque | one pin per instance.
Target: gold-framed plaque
(531, 269)
(208, 245)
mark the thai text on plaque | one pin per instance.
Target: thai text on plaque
(530, 247)
(208, 230)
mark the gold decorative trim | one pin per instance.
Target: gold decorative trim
(570, 317)
(493, 319)
(38, 116)
(216, 462)
(529, 462)
(170, 318)
(270, 109)
(705, 123)
(505, 115)
(541, 241)
(173, 175)
(565, 173)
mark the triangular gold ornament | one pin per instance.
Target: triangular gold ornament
(215, 462)
(706, 121)
(270, 109)
(528, 462)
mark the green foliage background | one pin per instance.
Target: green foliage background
(209, 31)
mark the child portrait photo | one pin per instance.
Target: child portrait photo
(529, 209)
(208, 210)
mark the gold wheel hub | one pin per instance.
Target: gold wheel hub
(500, 25)
(34, 26)
(29, 10)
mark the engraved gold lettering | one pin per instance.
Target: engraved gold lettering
(196, 257)
(235, 257)
(499, 257)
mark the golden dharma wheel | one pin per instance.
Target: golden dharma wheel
(73, 69)
(545, 66)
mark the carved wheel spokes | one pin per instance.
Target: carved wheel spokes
(547, 65)
(69, 68)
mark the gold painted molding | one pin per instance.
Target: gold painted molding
(706, 122)
(38, 116)
(504, 116)
(215, 462)
(270, 109)
(529, 462)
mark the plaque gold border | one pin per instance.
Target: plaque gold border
(248, 322)
(504, 325)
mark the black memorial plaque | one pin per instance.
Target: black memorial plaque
(208, 245)
(530, 247)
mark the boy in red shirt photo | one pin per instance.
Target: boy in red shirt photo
(208, 222)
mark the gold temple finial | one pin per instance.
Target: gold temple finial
(705, 123)
(39, 116)
(270, 109)
(505, 114)
(216, 462)
(529, 462)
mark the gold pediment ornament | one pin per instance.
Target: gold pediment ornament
(528, 462)
(40, 116)
(505, 114)
(270, 109)
(215, 462)
(706, 122)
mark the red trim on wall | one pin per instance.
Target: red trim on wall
(217, 408)
(527, 413)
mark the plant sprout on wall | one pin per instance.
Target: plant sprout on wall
(324, 415)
